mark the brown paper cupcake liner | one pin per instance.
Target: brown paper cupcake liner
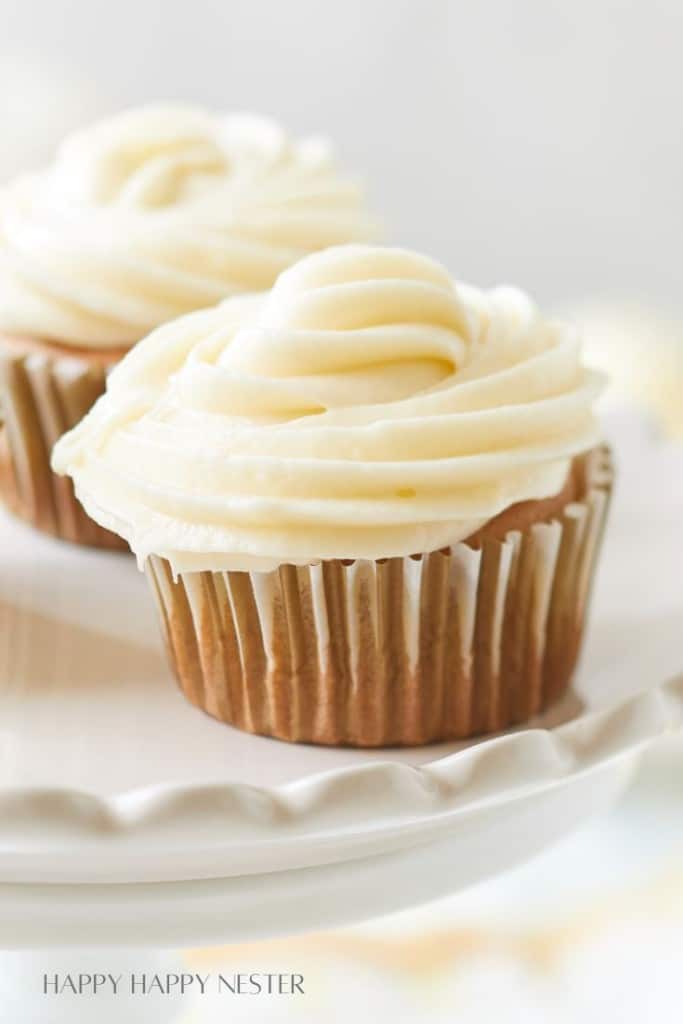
(401, 651)
(41, 397)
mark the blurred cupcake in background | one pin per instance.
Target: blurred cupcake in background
(146, 216)
(641, 350)
(369, 502)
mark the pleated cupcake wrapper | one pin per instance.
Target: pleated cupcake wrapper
(401, 651)
(41, 397)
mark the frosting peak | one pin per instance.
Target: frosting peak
(346, 327)
(367, 407)
(145, 158)
(159, 211)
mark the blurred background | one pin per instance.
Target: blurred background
(536, 142)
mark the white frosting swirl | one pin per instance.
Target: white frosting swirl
(366, 408)
(161, 211)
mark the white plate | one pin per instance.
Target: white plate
(108, 775)
(210, 912)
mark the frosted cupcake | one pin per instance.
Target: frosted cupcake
(147, 216)
(369, 502)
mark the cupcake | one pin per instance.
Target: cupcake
(145, 217)
(369, 502)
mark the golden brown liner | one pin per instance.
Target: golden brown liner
(41, 397)
(401, 651)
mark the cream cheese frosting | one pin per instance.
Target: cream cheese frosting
(160, 211)
(366, 407)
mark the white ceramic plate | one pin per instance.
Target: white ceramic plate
(251, 907)
(108, 775)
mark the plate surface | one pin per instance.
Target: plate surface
(108, 775)
(200, 913)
